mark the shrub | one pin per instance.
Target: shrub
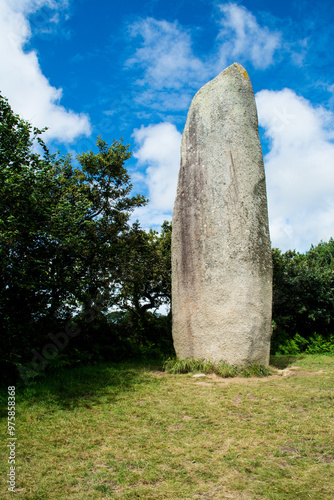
(316, 344)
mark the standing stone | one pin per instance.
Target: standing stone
(221, 254)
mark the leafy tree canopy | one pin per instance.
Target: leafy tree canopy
(145, 270)
(61, 229)
(303, 294)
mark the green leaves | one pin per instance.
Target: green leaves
(60, 230)
(303, 299)
(145, 269)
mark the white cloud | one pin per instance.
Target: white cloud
(168, 63)
(166, 53)
(241, 37)
(150, 218)
(171, 72)
(28, 6)
(159, 150)
(21, 79)
(299, 168)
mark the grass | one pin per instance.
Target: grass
(133, 431)
(191, 365)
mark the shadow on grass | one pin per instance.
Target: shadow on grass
(84, 386)
(282, 362)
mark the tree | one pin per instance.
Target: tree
(303, 293)
(145, 270)
(322, 255)
(60, 229)
(144, 279)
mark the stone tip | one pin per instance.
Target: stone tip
(232, 68)
(241, 70)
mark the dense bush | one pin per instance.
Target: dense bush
(116, 336)
(63, 230)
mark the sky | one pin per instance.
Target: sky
(129, 69)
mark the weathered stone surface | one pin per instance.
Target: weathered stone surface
(221, 256)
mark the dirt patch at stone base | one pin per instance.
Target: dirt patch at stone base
(212, 378)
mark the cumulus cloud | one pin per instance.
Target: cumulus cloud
(299, 168)
(159, 151)
(21, 79)
(241, 37)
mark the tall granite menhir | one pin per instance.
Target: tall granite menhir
(221, 256)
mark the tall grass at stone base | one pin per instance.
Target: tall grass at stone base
(294, 346)
(222, 369)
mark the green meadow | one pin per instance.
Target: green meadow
(136, 431)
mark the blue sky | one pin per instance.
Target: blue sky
(130, 69)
